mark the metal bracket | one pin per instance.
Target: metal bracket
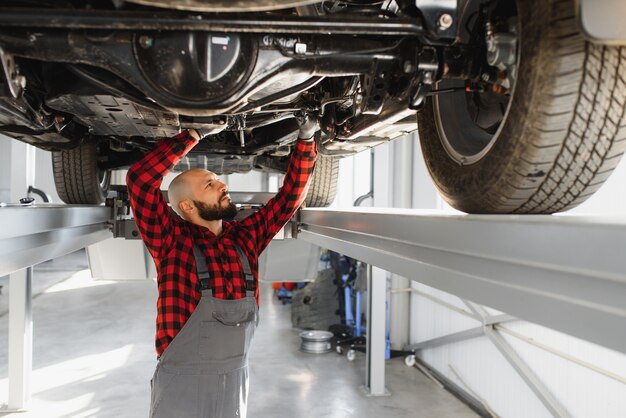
(375, 87)
(121, 224)
(295, 225)
(427, 69)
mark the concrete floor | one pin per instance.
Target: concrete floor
(94, 357)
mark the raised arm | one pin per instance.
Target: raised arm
(266, 222)
(152, 214)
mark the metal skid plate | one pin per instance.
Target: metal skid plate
(109, 115)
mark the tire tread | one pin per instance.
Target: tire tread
(76, 175)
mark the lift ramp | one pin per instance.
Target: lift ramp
(566, 272)
(34, 234)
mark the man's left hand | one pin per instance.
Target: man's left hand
(308, 125)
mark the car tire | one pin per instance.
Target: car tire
(562, 135)
(323, 183)
(77, 177)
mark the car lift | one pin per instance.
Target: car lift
(565, 272)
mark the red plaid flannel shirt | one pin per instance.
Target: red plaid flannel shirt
(170, 239)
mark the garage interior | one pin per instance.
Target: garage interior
(558, 351)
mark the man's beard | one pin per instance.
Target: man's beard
(216, 212)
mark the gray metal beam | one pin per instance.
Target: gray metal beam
(448, 339)
(534, 383)
(564, 272)
(31, 235)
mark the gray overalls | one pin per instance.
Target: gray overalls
(204, 370)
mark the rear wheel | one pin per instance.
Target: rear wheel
(77, 177)
(323, 183)
(550, 141)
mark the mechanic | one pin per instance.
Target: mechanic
(207, 273)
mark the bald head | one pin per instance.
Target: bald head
(183, 187)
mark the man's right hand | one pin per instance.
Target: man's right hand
(201, 133)
(194, 134)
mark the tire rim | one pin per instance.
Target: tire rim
(469, 123)
(316, 342)
(103, 179)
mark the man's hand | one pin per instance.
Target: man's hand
(194, 134)
(308, 125)
(201, 133)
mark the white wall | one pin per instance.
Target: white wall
(583, 392)
(5, 169)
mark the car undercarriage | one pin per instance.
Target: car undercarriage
(107, 79)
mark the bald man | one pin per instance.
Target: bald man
(198, 204)
(207, 274)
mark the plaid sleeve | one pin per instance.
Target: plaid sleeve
(266, 222)
(152, 214)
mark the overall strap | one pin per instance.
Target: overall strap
(203, 271)
(204, 276)
(247, 271)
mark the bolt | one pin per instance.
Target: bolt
(489, 30)
(446, 69)
(408, 67)
(20, 81)
(300, 48)
(445, 21)
(485, 77)
(146, 42)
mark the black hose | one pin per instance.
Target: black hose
(44, 196)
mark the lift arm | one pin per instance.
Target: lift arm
(31, 235)
(565, 272)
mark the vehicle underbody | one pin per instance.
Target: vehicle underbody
(130, 77)
(123, 74)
